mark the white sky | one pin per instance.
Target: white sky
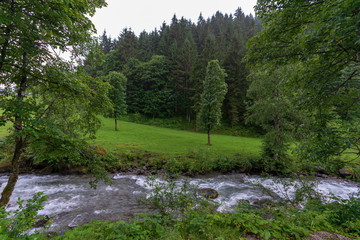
(150, 14)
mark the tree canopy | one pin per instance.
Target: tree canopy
(117, 95)
(322, 36)
(41, 90)
(212, 97)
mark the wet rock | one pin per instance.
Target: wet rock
(42, 222)
(47, 170)
(260, 203)
(79, 220)
(322, 235)
(319, 169)
(209, 193)
(345, 172)
(322, 175)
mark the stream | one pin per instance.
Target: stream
(71, 201)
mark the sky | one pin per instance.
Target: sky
(150, 14)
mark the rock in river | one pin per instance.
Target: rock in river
(209, 193)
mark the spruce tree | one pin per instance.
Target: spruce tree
(212, 97)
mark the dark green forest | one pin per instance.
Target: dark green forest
(166, 68)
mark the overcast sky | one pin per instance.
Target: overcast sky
(150, 14)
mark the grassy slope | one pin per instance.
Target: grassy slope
(169, 141)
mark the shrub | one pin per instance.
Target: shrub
(13, 224)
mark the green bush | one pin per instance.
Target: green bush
(14, 224)
(171, 198)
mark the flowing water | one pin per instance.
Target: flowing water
(72, 202)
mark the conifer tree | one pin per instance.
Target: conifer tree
(127, 47)
(212, 97)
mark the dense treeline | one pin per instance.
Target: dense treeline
(166, 68)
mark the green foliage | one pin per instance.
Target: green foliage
(48, 100)
(14, 224)
(117, 95)
(345, 212)
(316, 35)
(149, 89)
(269, 107)
(213, 96)
(171, 198)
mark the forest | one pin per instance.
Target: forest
(165, 68)
(275, 97)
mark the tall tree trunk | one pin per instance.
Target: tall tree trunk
(15, 165)
(277, 124)
(20, 141)
(277, 130)
(116, 125)
(209, 137)
(197, 122)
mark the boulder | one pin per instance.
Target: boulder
(209, 193)
(260, 203)
(319, 169)
(346, 172)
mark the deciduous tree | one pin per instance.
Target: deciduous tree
(212, 97)
(36, 79)
(324, 37)
(117, 95)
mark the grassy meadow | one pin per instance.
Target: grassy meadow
(169, 141)
(165, 141)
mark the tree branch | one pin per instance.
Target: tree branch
(48, 108)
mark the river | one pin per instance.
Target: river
(72, 202)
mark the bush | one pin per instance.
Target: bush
(171, 198)
(13, 224)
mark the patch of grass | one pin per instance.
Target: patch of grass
(4, 130)
(170, 142)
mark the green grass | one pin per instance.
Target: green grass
(165, 141)
(170, 142)
(4, 130)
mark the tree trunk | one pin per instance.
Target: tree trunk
(20, 141)
(116, 125)
(15, 165)
(197, 122)
(209, 138)
(277, 124)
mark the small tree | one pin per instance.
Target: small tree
(117, 95)
(212, 97)
(269, 107)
